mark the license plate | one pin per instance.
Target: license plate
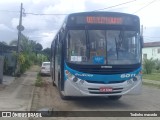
(105, 89)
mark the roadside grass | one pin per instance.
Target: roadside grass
(39, 82)
(151, 84)
(35, 68)
(153, 76)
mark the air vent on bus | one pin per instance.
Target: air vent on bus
(103, 82)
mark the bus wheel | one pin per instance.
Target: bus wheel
(63, 97)
(53, 83)
(115, 97)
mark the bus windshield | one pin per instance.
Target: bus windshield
(105, 47)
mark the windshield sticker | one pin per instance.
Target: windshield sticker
(76, 58)
(98, 59)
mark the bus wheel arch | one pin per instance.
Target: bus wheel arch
(63, 97)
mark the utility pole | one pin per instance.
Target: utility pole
(20, 28)
(141, 30)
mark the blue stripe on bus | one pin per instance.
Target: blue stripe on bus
(98, 77)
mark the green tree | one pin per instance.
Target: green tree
(27, 56)
(38, 48)
(47, 52)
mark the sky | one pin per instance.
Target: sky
(41, 26)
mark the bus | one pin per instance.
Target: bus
(97, 54)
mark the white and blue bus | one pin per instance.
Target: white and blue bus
(97, 54)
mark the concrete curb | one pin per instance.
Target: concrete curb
(31, 99)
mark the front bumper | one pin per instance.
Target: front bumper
(83, 88)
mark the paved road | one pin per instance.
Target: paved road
(18, 95)
(149, 100)
(48, 97)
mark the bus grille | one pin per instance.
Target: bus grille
(103, 82)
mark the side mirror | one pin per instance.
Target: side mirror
(141, 41)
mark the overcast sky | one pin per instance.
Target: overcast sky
(42, 28)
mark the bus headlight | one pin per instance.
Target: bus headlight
(129, 81)
(68, 74)
(75, 79)
(71, 76)
(81, 81)
(135, 79)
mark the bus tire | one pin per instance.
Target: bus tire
(115, 97)
(53, 83)
(63, 97)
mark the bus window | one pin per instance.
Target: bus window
(76, 43)
(122, 47)
(97, 46)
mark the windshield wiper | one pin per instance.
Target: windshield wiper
(116, 48)
(87, 44)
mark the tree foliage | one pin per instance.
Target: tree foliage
(28, 53)
(157, 64)
(47, 52)
(148, 65)
(38, 47)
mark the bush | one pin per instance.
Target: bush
(157, 65)
(39, 82)
(148, 65)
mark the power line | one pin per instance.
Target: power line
(43, 14)
(144, 6)
(9, 11)
(93, 10)
(115, 5)
(67, 14)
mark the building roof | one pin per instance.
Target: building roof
(152, 44)
(5, 48)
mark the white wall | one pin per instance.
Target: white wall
(152, 52)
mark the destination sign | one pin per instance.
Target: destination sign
(104, 20)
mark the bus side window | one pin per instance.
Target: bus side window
(67, 45)
(57, 53)
(59, 49)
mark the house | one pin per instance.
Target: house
(9, 58)
(151, 50)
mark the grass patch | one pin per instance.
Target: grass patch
(151, 84)
(35, 68)
(39, 82)
(153, 76)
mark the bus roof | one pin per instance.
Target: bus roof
(102, 13)
(102, 18)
